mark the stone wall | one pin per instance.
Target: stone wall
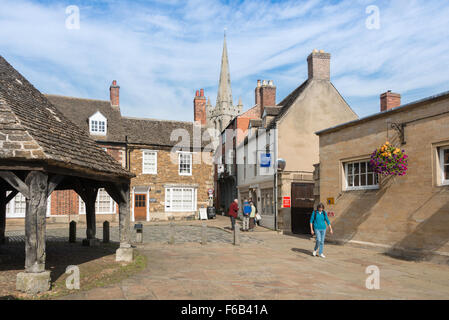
(167, 173)
(408, 214)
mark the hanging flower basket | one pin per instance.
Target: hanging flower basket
(389, 160)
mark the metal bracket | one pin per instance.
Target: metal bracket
(400, 129)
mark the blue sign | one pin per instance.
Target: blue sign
(265, 160)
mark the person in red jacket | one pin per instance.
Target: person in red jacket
(233, 212)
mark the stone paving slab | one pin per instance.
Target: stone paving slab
(278, 267)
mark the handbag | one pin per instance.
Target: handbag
(258, 217)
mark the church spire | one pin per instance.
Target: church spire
(224, 95)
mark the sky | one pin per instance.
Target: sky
(161, 52)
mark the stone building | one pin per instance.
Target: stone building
(403, 215)
(142, 146)
(218, 117)
(287, 131)
(173, 165)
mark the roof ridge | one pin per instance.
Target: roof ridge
(154, 119)
(77, 98)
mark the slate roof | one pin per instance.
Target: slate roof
(24, 109)
(159, 132)
(79, 110)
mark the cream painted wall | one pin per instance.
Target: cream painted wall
(320, 106)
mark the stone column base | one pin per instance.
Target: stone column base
(91, 242)
(33, 283)
(124, 254)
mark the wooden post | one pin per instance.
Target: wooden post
(2, 216)
(125, 252)
(72, 232)
(91, 230)
(106, 232)
(36, 211)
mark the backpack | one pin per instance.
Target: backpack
(314, 217)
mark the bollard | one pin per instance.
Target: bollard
(237, 234)
(171, 239)
(72, 232)
(106, 232)
(139, 232)
(203, 234)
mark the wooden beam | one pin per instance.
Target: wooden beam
(11, 196)
(16, 183)
(114, 191)
(53, 182)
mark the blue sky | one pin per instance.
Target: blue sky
(161, 51)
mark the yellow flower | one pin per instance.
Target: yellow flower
(387, 143)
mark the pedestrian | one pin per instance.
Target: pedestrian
(318, 222)
(252, 216)
(233, 212)
(246, 214)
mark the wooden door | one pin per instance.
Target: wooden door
(302, 207)
(140, 207)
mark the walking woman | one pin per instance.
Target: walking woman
(318, 222)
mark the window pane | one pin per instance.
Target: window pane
(356, 180)
(20, 204)
(350, 181)
(370, 179)
(446, 172)
(185, 162)
(446, 156)
(363, 180)
(350, 171)
(363, 167)
(356, 168)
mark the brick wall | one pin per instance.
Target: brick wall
(409, 213)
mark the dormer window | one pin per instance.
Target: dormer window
(98, 124)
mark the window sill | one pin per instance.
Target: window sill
(152, 173)
(185, 174)
(362, 189)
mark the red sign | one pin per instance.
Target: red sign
(286, 202)
(210, 191)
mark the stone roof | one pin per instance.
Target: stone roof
(33, 129)
(272, 111)
(164, 133)
(79, 110)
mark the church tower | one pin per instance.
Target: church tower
(218, 117)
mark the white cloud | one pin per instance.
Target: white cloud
(161, 53)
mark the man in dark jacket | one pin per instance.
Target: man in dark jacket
(233, 212)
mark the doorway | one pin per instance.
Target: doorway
(302, 207)
(140, 207)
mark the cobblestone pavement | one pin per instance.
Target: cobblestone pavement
(151, 233)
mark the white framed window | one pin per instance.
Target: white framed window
(185, 164)
(444, 165)
(97, 124)
(16, 208)
(359, 175)
(149, 162)
(103, 205)
(180, 199)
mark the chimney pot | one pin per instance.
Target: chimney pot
(202, 93)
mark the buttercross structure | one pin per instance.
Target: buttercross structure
(218, 117)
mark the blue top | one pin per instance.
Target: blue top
(246, 208)
(320, 220)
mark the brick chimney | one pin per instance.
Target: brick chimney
(319, 65)
(265, 94)
(199, 106)
(389, 100)
(114, 91)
